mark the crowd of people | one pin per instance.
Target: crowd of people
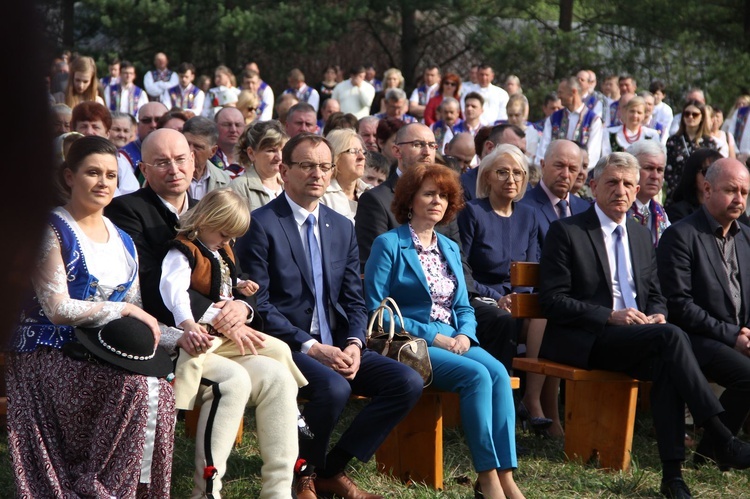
(233, 240)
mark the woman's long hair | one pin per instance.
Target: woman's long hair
(81, 64)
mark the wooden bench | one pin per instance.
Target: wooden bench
(599, 405)
(413, 451)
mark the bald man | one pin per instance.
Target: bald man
(704, 270)
(161, 79)
(462, 148)
(150, 216)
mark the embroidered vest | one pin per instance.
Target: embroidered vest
(164, 75)
(423, 94)
(34, 328)
(740, 122)
(262, 88)
(655, 221)
(183, 102)
(559, 122)
(134, 96)
(302, 95)
(206, 271)
(613, 118)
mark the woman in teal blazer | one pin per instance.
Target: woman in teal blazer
(422, 271)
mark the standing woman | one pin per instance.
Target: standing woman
(259, 151)
(79, 428)
(694, 132)
(224, 81)
(326, 86)
(347, 185)
(422, 271)
(450, 86)
(619, 138)
(82, 84)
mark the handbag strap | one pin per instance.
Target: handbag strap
(378, 314)
(392, 303)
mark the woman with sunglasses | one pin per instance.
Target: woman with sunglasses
(450, 86)
(694, 132)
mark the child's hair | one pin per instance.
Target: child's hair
(220, 209)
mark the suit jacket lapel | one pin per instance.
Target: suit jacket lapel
(743, 258)
(594, 229)
(411, 257)
(639, 248)
(291, 229)
(708, 240)
(326, 246)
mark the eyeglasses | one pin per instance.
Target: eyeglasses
(308, 167)
(691, 115)
(167, 163)
(450, 83)
(354, 151)
(420, 144)
(504, 175)
(147, 120)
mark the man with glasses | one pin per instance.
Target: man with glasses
(231, 124)
(150, 216)
(125, 95)
(303, 255)
(148, 116)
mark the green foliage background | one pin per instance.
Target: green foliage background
(683, 42)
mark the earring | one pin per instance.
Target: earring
(409, 215)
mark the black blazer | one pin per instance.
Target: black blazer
(153, 227)
(575, 290)
(696, 286)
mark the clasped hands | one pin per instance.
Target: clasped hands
(345, 362)
(230, 322)
(459, 344)
(742, 344)
(630, 316)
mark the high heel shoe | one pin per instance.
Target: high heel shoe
(538, 425)
(478, 490)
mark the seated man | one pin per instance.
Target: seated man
(150, 217)
(600, 295)
(304, 257)
(704, 273)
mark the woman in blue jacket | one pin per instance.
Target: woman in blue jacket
(422, 271)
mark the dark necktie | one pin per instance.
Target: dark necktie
(628, 296)
(316, 265)
(563, 206)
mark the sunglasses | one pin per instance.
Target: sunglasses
(692, 115)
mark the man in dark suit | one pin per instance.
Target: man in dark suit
(496, 329)
(150, 216)
(704, 270)
(504, 133)
(600, 295)
(304, 257)
(551, 197)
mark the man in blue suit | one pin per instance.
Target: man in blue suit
(551, 197)
(305, 259)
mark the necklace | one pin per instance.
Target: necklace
(628, 139)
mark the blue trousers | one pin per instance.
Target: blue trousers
(487, 412)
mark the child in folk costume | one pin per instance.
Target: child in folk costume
(201, 260)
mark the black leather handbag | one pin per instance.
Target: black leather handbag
(399, 346)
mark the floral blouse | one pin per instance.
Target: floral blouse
(679, 149)
(440, 279)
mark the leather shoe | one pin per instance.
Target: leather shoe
(304, 487)
(733, 454)
(675, 489)
(342, 486)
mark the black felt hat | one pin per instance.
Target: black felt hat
(129, 344)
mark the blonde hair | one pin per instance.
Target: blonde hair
(81, 64)
(247, 99)
(220, 209)
(516, 155)
(397, 72)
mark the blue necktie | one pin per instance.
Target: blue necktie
(628, 296)
(316, 265)
(563, 205)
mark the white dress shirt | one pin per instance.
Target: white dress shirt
(608, 227)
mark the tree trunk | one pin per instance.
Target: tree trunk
(409, 40)
(566, 15)
(67, 13)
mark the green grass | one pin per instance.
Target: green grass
(542, 472)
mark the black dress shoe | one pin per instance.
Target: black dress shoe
(733, 454)
(675, 488)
